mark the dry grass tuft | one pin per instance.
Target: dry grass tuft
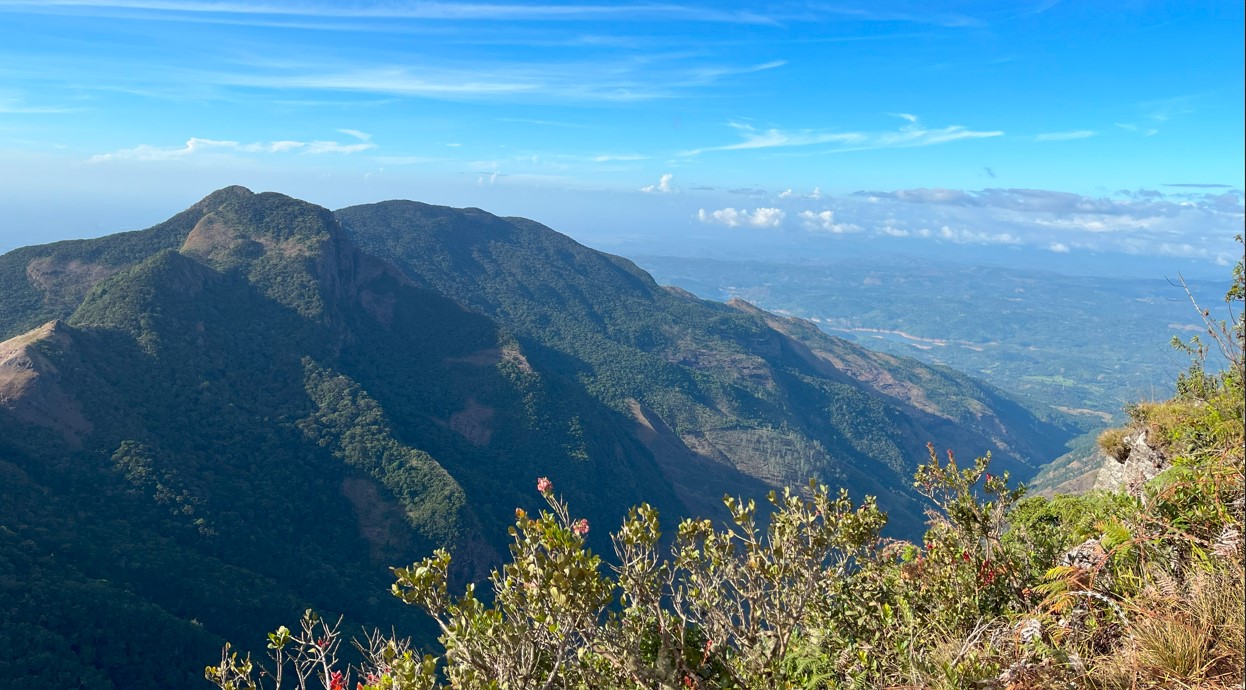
(1112, 442)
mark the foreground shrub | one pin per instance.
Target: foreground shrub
(1096, 591)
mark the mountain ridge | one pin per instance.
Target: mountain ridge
(281, 401)
(506, 272)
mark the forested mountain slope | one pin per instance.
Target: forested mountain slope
(259, 405)
(774, 398)
(263, 421)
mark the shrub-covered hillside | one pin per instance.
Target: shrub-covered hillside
(242, 413)
(1141, 588)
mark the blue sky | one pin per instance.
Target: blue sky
(1063, 127)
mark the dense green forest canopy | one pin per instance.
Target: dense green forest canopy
(259, 406)
(1142, 586)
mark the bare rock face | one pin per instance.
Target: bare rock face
(1089, 555)
(1133, 468)
(30, 387)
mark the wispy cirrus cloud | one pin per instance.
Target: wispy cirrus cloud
(197, 146)
(912, 134)
(14, 106)
(611, 79)
(399, 81)
(1165, 109)
(1155, 113)
(1138, 129)
(618, 157)
(1065, 136)
(709, 13)
(449, 11)
(317, 147)
(543, 123)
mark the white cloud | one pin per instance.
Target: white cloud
(891, 230)
(662, 187)
(910, 135)
(317, 147)
(196, 146)
(967, 236)
(815, 195)
(758, 218)
(605, 78)
(12, 106)
(1065, 136)
(1191, 223)
(771, 138)
(406, 160)
(610, 157)
(824, 221)
(361, 136)
(1144, 131)
(434, 10)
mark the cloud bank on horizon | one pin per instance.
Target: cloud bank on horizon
(972, 125)
(1185, 225)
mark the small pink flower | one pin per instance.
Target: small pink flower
(580, 527)
(544, 485)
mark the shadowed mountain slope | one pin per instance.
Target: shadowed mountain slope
(739, 388)
(259, 405)
(258, 420)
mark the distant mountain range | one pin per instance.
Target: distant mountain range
(258, 405)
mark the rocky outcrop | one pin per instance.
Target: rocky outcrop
(1133, 466)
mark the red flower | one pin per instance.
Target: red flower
(580, 527)
(544, 485)
(337, 682)
(987, 572)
